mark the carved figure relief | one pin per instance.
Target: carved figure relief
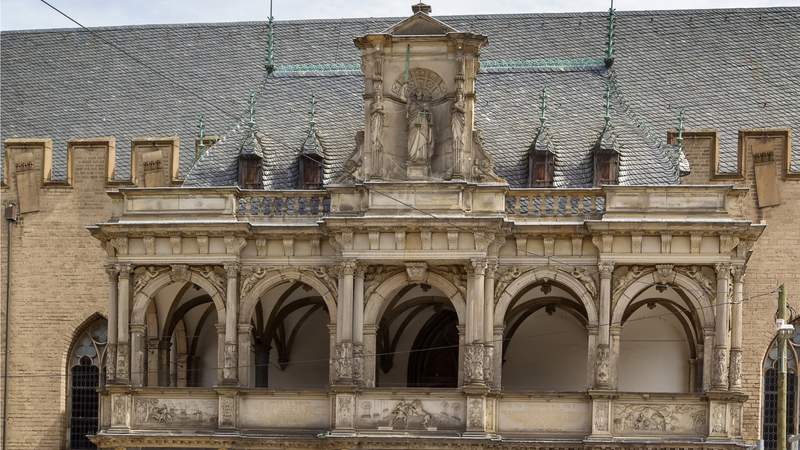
(172, 412)
(227, 411)
(718, 419)
(720, 367)
(473, 363)
(696, 274)
(582, 275)
(457, 123)
(601, 415)
(376, 126)
(735, 375)
(601, 366)
(344, 361)
(119, 410)
(344, 410)
(145, 275)
(622, 282)
(411, 414)
(659, 419)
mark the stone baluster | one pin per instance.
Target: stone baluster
(111, 349)
(721, 339)
(123, 323)
(230, 358)
(735, 369)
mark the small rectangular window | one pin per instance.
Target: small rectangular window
(606, 167)
(540, 169)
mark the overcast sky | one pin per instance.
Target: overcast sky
(30, 14)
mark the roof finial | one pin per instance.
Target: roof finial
(312, 122)
(269, 65)
(609, 59)
(543, 107)
(679, 138)
(607, 96)
(201, 137)
(252, 109)
(421, 7)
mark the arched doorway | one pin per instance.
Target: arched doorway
(86, 366)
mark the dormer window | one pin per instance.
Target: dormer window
(606, 167)
(540, 169)
(310, 167)
(250, 176)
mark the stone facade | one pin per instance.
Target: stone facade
(442, 220)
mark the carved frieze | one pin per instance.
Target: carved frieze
(410, 414)
(165, 413)
(654, 419)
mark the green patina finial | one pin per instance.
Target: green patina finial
(252, 109)
(607, 96)
(543, 107)
(679, 138)
(270, 63)
(312, 111)
(408, 64)
(201, 137)
(609, 59)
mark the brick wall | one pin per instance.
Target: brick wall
(58, 282)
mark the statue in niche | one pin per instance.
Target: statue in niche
(457, 122)
(420, 130)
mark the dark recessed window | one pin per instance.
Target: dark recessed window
(250, 172)
(310, 172)
(540, 169)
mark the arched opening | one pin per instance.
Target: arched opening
(182, 339)
(658, 343)
(86, 368)
(769, 416)
(418, 340)
(290, 338)
(545, 340)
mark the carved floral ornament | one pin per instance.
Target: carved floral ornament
(505, 275)
(251, 276)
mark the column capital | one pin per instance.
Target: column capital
(738, 272)
(348, 266)
(137, 328)
(124, 270)
(723, 269)
(112, 271)
(477, 266)
(245, 328)
(360, 270)
(232, 269)
(606, 269)
(491, 268)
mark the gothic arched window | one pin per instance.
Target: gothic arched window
(86, 368)
(769, 417)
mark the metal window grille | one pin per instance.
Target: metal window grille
(770, 428)
(84, 404)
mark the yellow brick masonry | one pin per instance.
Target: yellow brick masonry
(58, 282)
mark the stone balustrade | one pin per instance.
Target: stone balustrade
(554, 203)
(283, 204)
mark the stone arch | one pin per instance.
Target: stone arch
(383, 294)
(692, 290)
(143, 298)
(274, 278)
(530, 277)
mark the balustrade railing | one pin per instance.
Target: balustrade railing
(578, 203)
(283, 204)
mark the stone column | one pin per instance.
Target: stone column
(358, 325)
(473, 366)
(123, 323)
(708, 356)
(220, 352)
(138, 373)
(497, 382)
(613, 355)
(488, 323)
(231, 356)
(111, 347)
(332, 334)
(368, 374)
(164, 346)
(721, 322)
(603, 357)
(246, 368)
(735, 369)
(181, 366)
(343, 359)
(151, 367)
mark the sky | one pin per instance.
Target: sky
(33, 14)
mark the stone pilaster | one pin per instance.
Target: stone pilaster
(138, 374)
(603, 355)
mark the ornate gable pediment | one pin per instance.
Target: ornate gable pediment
(420, 24)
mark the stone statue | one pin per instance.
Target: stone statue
(420, 131)
(457, 121)
(376, 130)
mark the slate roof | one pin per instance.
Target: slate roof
(731, 69)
